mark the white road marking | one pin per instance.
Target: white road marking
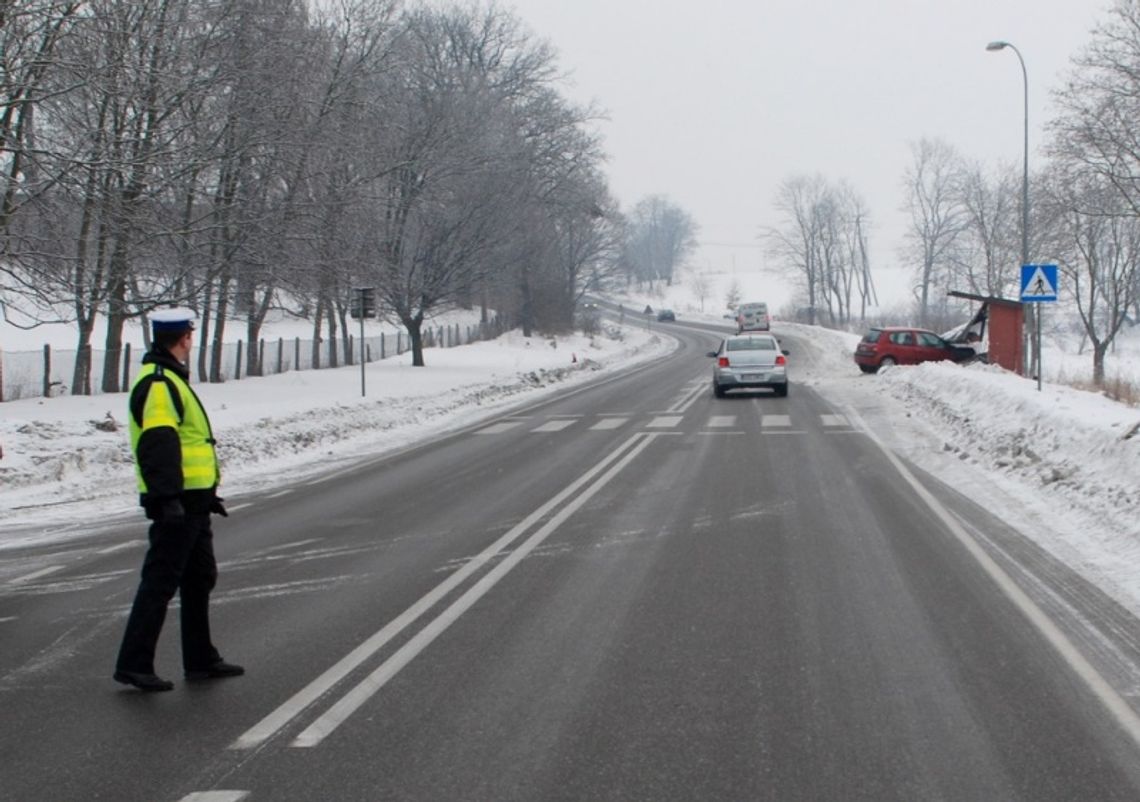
(279, 718)
(722, 421)
(215, 796)
(336, 715)
(498, 428)
(608, 423)
(7, 618)
(775, 420)
(51, 569)
(280, 493)
(1116, 706)
(236, 507)
(834, 420)
(554, 425)
(131, 544)
(664, 422)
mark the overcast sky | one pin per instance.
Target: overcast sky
(715, 103)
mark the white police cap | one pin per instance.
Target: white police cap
(177, 319)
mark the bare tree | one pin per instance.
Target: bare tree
(661, 236)
(795, 244)
(447, 202)
(1100, 103)
(230, 154)
(937, 218)
(987, 255)
(29, 39)
(1096, 236)
(732, 295)
(822, 244)
(701, 287)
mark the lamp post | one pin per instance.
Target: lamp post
(1031, 314)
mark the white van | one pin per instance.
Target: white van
(753, 317)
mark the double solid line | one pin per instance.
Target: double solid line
(539, 524)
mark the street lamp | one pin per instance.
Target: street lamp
(1032, 318)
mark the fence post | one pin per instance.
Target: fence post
(237, 367)
(126, 367)
(296, 353)
(47, 371)
(382, 354)
(1, 375)
(280, 353)
(261, 357)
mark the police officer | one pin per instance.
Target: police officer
(178, 475)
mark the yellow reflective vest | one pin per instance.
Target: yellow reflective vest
(170, 402)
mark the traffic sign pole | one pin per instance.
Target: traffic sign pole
(1038, 286)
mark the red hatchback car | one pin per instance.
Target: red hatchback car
(902, 345)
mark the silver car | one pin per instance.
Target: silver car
(750, 361)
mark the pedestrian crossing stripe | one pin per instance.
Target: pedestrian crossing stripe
(556, 425)
(499, 428)
(770, 423)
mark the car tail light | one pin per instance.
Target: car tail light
(722, 362)
(781, 359)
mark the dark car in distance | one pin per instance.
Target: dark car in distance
(884, 346)
(666, 314)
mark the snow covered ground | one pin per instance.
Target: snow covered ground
(67, 458)
(1061, 465)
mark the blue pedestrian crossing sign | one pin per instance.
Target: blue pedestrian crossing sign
(1038, 283)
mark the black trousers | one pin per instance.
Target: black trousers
(180, 558)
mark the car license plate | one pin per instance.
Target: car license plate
(753, 377)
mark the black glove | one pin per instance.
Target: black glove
(171, 511)
(217, 508)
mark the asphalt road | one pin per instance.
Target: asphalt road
(634, 591)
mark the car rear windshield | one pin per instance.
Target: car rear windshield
(752, 344)
(872, 336)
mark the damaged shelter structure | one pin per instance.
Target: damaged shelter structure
(995, 330)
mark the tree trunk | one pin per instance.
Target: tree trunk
(1099, 351)
(217, 349)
